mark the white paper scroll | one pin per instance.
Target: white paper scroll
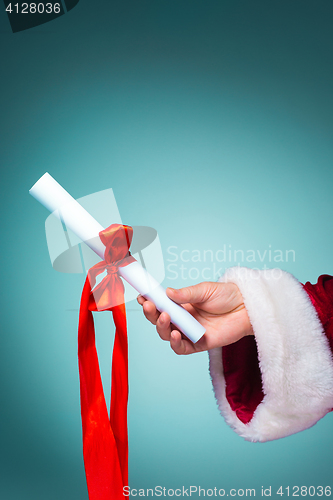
(68, 254)
(56, 199)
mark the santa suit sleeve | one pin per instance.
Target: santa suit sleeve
(279, 381)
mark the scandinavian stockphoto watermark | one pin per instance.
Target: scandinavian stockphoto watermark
(209, 265)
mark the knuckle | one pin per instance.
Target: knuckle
(176, 351)
(162, 332)
(150, 318)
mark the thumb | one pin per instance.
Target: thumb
(191, 294)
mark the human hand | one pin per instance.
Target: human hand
(218, 307)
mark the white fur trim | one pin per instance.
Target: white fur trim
(294, 356)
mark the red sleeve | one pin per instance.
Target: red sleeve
(279, 381)
(321, 295)
(240, 360)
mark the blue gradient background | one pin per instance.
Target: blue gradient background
(212, 122)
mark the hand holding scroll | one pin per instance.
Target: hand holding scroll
(218, 307)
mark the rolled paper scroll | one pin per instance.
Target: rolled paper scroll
(56, 199)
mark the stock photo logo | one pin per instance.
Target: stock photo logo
(26, 15)
(68, 254)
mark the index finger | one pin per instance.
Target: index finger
(141, 300)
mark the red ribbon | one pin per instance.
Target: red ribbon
(105, 441)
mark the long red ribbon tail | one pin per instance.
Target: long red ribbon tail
(105, 442)
(119, 389)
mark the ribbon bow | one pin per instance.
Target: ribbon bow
(105, 441)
